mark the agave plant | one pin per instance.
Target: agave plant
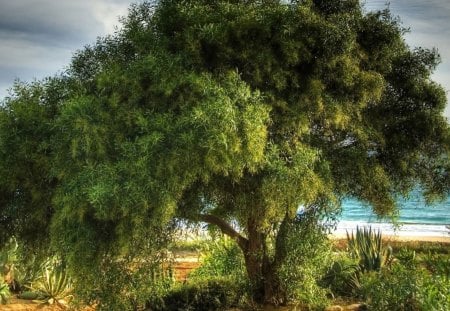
(367, 247)
(54, 286)
(4, 292)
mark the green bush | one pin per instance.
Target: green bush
(221, 280)
(201, 295)
(342, 277)
(407, 257)
(438, 264)
(221, 258)
(4, 292)
(307, 260)
(126, 284)
(434, 294)
(390, 290)
(404, 289)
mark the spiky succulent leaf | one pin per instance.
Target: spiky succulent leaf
(367, 247)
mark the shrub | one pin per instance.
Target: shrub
(21, 265)
(4, 292)
(28, 269)
(405, 289)
(308, 257)
(342, 277)
(407, 257)
(126, 284)
(222, 273)
(390, 290)
(201, 295)
(438, 264)
(434, 294)
(222, 258)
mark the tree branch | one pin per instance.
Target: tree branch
(226, 228)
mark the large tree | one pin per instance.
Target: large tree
(224, 112)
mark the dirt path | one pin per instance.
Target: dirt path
(15, 304)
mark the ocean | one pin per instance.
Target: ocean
(416, 217)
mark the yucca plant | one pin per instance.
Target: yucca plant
(367, 247)
(4, 292)
(54, 286)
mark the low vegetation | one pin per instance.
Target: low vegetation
(415, 276)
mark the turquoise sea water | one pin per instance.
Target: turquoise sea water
(416, 218)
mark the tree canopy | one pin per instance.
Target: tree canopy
(222, 112)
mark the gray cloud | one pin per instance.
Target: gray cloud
(38, 37)
(49, 20)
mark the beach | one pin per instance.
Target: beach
(401, 232)
(401, 238)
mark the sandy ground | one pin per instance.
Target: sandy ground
(403, 238)
(15, 304)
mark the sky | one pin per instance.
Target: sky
(39, 37)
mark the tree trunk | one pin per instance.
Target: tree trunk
(262, 270)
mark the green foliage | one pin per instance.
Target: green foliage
(127, 283)
(54, 285)
(202, 295)
(437, 264)
(221, 258)
(433, 293)
(21, 265)
(367, 247)
(28, 269)
(8, 260)
(407, 257)
(220, 281)
(306, 263)
(342, 277)
(181, 244)
(27, 144)
(394, 289)
(4, 292)
(405, 289)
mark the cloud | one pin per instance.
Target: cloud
(39, 37)
(108, 13)
(66, 21)
(46, 20)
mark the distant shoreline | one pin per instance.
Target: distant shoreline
(404, 231)
(400, 238)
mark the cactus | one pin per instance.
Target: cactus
(367, 247)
